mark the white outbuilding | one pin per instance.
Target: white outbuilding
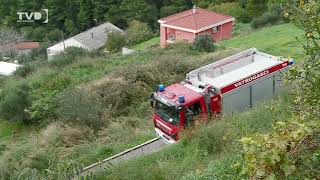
(91, 39)
(6, 69)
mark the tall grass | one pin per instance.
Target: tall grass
(121, 84)
(210, 150)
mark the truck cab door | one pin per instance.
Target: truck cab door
(194, 111)
(215, 104)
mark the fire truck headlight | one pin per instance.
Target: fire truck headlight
(181, 99)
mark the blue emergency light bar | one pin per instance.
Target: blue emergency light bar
(291, 61)
(161, 88)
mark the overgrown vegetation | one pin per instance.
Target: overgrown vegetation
(213, 148)
(272, 16)
(279, 140)
(84, 106)
(137, 32)
(204, 42)
(14, 100)
(116, 40)
(119, 89)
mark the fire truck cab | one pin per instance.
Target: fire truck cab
(226, 86)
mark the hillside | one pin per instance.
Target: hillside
(214, 150)
(85, 107)
(67, 136)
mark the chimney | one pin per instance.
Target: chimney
(194, 9)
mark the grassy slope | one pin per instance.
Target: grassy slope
(209, 151)
(146, 44)
(199, 157)
(67, 146)
(91, 69)
(278, 40)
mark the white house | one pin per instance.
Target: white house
(91, 39)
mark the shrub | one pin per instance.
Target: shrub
(272, 16)
(14, 100)
(115, 41)
(25, 70)
(274, 155)
(211, 139)
(70, 55)
(232, 9)
(204, 42)
(138, 32)
(80, 106)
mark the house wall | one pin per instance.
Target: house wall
(184, 36)
(179, 35)
(224, 32)
(163, 36)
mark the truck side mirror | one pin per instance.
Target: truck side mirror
(152, 101)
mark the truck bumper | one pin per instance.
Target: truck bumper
(167, 139)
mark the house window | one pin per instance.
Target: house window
(172, 37)
(215, 29)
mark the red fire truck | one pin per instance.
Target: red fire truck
(230, 85)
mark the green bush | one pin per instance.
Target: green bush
(80, 106)
(204, 42)
(14, 100)
(25, 70)
(231, 9)
(272, 16)
(115, 41)
(212, 139)
(276, 155)
(70, 55)
(138, 32)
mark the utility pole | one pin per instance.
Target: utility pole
(64, 45)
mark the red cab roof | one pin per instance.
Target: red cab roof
(196, 19)
(173, 92)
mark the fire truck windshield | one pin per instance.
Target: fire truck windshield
(167, 113)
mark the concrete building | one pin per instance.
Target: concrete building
(91, 39)
(187, 25)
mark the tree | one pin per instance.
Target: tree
(8, 38)
(115, 41)
(14, 100)
(101, 7)
(70, 27)
(39, 33)
(256, 8)
(9, 35)
(85, 15)
(137, 32)
(54, 35)
(306, 16)
(139, 10)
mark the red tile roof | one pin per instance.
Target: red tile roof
(27, 45)
(199, 19)
(20, 45)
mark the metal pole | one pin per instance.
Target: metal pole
(64, 45)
